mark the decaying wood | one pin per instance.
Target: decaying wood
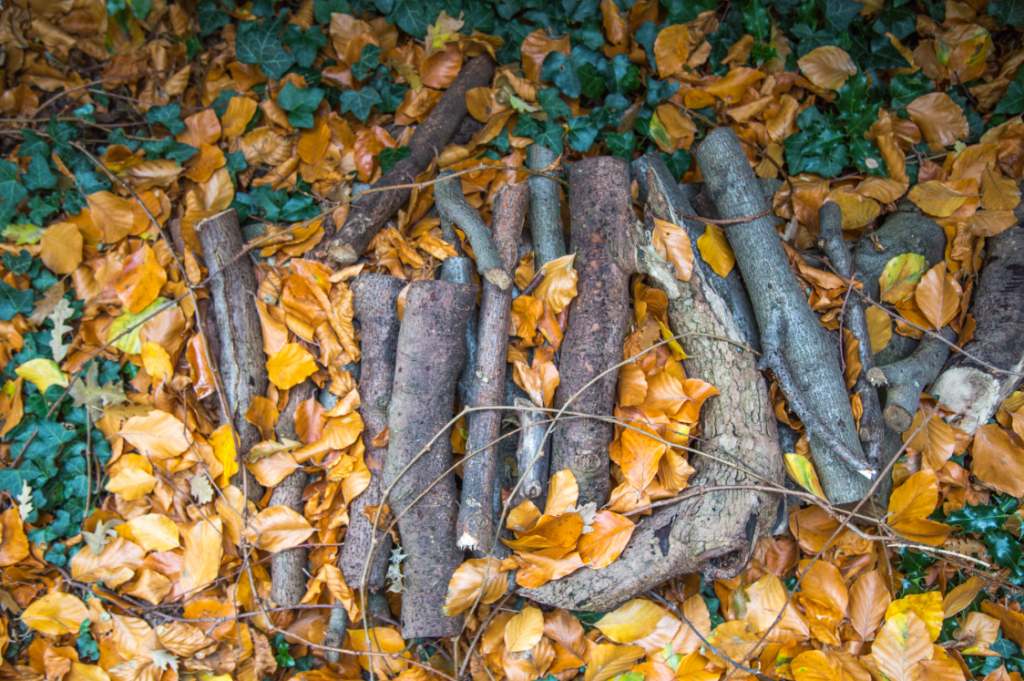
(375, 300)
(831, 240)
(791, 335)
(369, 213)
(546, 227)
(601, 211)
(966, 386)
(715, 533)
(430, 353)
(475, 528)
(460, 271)
(287, 568)
(241, 361)
(451, 205)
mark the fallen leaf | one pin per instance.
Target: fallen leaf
(715, 250)
(631, 621)
(828, 67)
(277, 529)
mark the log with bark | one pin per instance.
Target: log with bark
(713, 533)
(797, 348)
(375, 299)
(476, 526)
(429, 356)
(972, 388)
(369, 213)
(546, 230)
(241, 362)
(453, 208)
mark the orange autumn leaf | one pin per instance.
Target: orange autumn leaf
(998, 460)
(671, 49)
(55, 614)
(901, 645)
(608, 661)
(828, 67)
(639, 455)
(716, 251)
(938, 296)
(141, 280)
(611, 533)
(673, 244)
(911, 504)
(479, 577)
(290, 366)
(61, 248)
(111, 214)
(536, 46)
(277, 529)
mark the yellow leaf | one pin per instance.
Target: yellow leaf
(991, 222)
(998, 461)
(379, 640)
(237, 116)
(900, 276)
(608, 661)
(55, 614)
(133, 479)
(671, 49)
(631, 622)
(673, 243)
(715, 250)
(858, 211)
(290, 366)
(910, 505)
(609, 536)
(468, 582)
(61, 248)
(141, 280)
(154, 532)
(223, 442)
(801, 471)
(901, 645)
(524, 630)
(42, 373)
(277, 529)
(937, 199)
(111, 214)
(997, 192)
(938, 296)
(563, 492)
(941, 120)
(869, 599)
(926, 606)
(156, 361)
(640, 455)
(157, 434)
(983, 629)
(558, 287)
(961, 596)
(828, 67)
(203, 549)
(817, 665)
(673, 345)
(879, 328)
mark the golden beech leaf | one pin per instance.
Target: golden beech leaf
(611, 533)
(277, 529)
(817, 665)
(524, 630)
(14, 547)
(203, 550)
(901, 645)
(536, 569)
(154, 532)
(111, 214)
(156, 361)
(851, 353)
(900, 276)
(223, 441)
(237, 116)
(911, 504)
(941, 120)
(869, 600)
(998, 192)
(991, 222)
(290, 366)
(673, 243)
(693, 668)
(671, 50)
(379, 640)
(732, 641)
(858, 211)
(608, 661)
(879, 328)
(926, 606)
(983, 629)
(61, 248)
(828, 67)
(938, 296)
(824, 583)
(715, 250)
(960, 597)
(157, 434)
(998, 460)
(468, 582)
(536, 47)
(631, 622)
(42, 373)
(632, 385)
(937, 440)
(563, 492)
(937, 199)
(558, 287)
(55, 614)
(640, 455)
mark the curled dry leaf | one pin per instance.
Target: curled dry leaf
(828, 67)
(277, 529)
(479, 577)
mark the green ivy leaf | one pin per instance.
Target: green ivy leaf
(369, 59)
(658, 90)
(982, 518)
(210, 17)
(582, 132)
(1012, 102)
(323, 9)
(38, 176)
(591, 81)
(552, 103)
(756, 20)
(389, 157)
(359, 102)
(561, 71)
(167, 147)
(907, 87)
(621, 144)
(11, 191)
(304, 44)
(1004, 549)
(551, 137)
(412, 16)
(1007, 12)
(300, 103)
(838, 14)
(259, 43)
(13, 301)
(819, 147)
(678, 163)
(621, 74)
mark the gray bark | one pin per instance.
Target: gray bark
(545, 208)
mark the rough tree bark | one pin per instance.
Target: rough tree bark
(475, 528)
(713, 533)
(967, 387)
(832, 242)
(369, 213)
(532, 453)
(730, 288)
(797, 347)
(375, 298)
(241, 362)
(453, 208)
(431, 351)
(545, 208)
(460, 271)
(601, 207)
(906, 379)
(287, 568)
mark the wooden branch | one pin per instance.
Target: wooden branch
(905, 380)
(475, 526)
(369, 213)
(546, 228)
(784, 316)
(241, 361)
(451, 204)
(460, 271)
(431, 351)
(375, 299)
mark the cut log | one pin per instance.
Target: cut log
(715, 533)
(288, 568)
(601, 209)
(460, 271)
(832, 242)
(966, 386)
(795, 343)
(545, 208)
(905, 380)
(453, 208)
(241, 362)
(430, 353)
(369, 213)
(375, 299)
(476, 527)
(729, 288)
